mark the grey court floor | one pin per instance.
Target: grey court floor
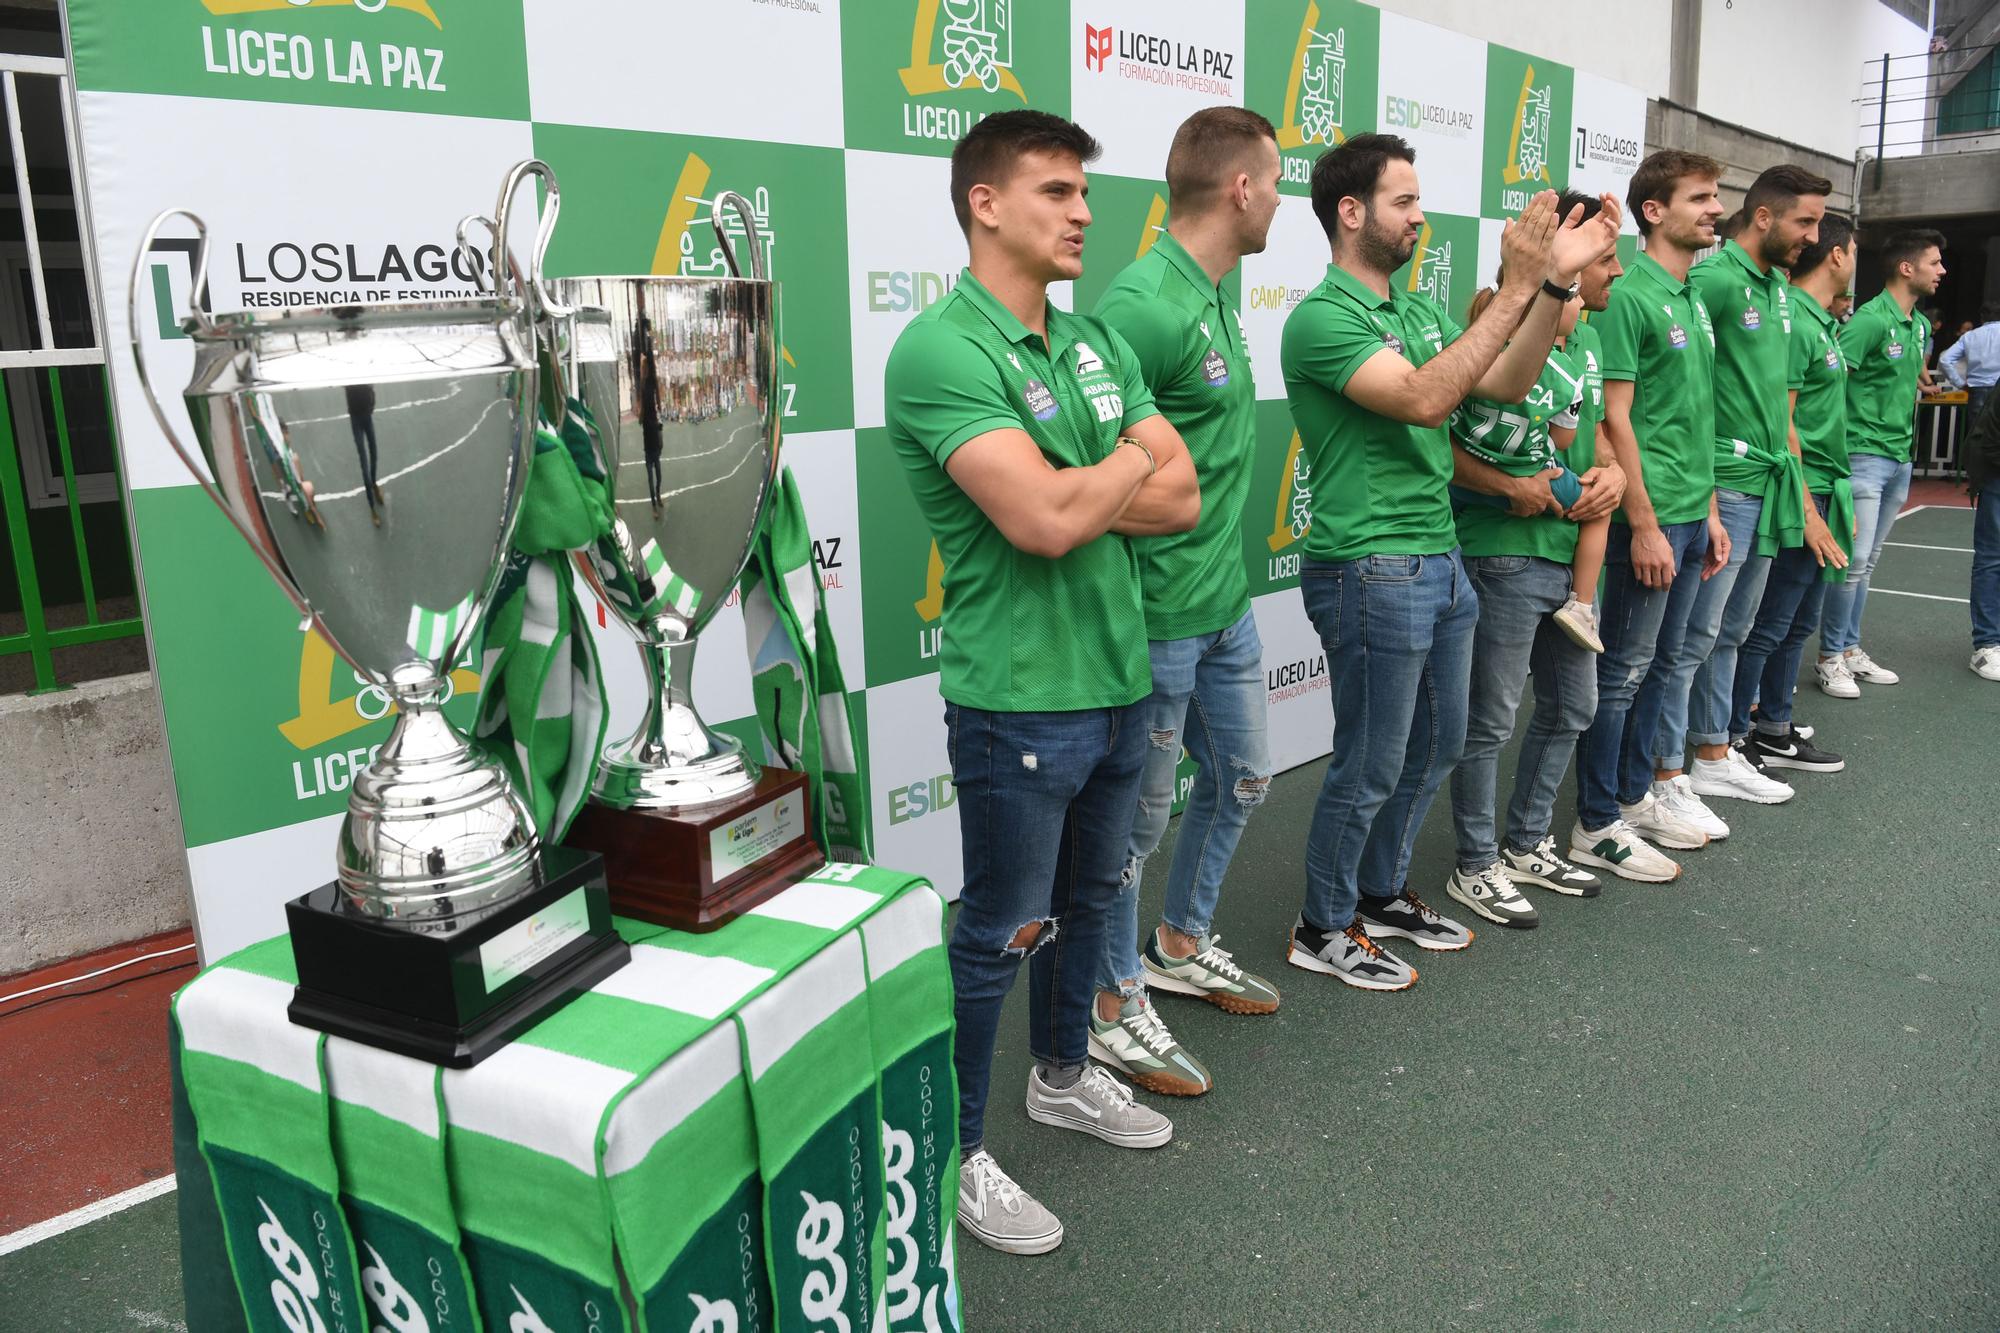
(1762, 1097)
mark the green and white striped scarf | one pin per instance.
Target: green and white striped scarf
(541, 703)
(607, 1169)
(802, 702)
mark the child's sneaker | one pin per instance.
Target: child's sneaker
(1579, 620)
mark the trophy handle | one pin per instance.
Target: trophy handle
(543, 297)
(207, 325)
(753, 237)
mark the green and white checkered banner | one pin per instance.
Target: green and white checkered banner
(332, 146)
(753, 1129)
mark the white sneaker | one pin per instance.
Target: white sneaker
(1653, 821)
(1621, 851)
(1986, 661)
(1867, 670)
(1738, 779)
(1579, 621)
(999, 1213)
(1835, 679)
(1676, 797)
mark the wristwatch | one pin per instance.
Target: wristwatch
(1562, 293)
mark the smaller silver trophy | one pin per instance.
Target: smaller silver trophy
(374, 458)
(679, 376)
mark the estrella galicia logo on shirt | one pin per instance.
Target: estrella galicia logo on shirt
(1676, 335)
(1087, 360)
(1392, 342)
(1040, 401)
(1752, 319)
(1894, 347)
(1214, 369)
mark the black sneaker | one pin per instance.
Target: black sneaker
(1408, 917)
(1348, 955)
(1792, 751)
(1751, 754)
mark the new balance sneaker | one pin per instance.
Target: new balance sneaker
(1656, 823)
(1138, 1045)
(997, 1212)
(1985, 663)
(1348, 955)
(1408, 917)
(1792, 751)
(1616, 848)
(1099, 1105)
(1736, 778)
(1835, 679)
(1492, 894)
(1544, 868)
(1676, 797)
(1209, 973)
(1867, 670)
(1579, 621)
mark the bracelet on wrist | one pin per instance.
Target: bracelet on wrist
(1152, 464)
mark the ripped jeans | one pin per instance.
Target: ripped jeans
(1045, 804)
(1208, 697)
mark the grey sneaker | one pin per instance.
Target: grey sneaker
(1545, 868)
(1209, 973)
(997, 1212)
(1138, 1045)
(1100, 1105)
(1492, 894)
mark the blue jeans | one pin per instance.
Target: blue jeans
(1516, 636)
(1208, 695)
(1880, 487)
(1689, 632)
(1045, 805)
(1767, 667)
(1398, 636)
(1986, 569)
(1632, 614)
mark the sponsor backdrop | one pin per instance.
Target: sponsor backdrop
(332, 145)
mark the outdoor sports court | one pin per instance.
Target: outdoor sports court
(1765, 1096)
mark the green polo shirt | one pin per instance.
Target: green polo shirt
(1190, 349)
(1885, 351)
(1515, 438)
(1752, 313)
(1820, 372)
(1656, 333)
(1021, 633)
(1379, 486)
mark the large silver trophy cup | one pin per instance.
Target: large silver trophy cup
(374, 457)
(680, 379)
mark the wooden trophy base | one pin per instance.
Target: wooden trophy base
(701, 867)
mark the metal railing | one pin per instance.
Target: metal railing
(35, 637)
(1946, 100)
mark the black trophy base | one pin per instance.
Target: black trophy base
(453, 999)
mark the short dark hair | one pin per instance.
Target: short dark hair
(1732, 226)
(1990, 312)
(1655, 180)
(1906, 247)
(1569, 199)
(1835, 230)
(1352, 171)
(1207, 150)
(988, 152)
(1778, 188)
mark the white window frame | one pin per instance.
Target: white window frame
(46, 490)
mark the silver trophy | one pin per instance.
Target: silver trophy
(374, 457)
(680, 376)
